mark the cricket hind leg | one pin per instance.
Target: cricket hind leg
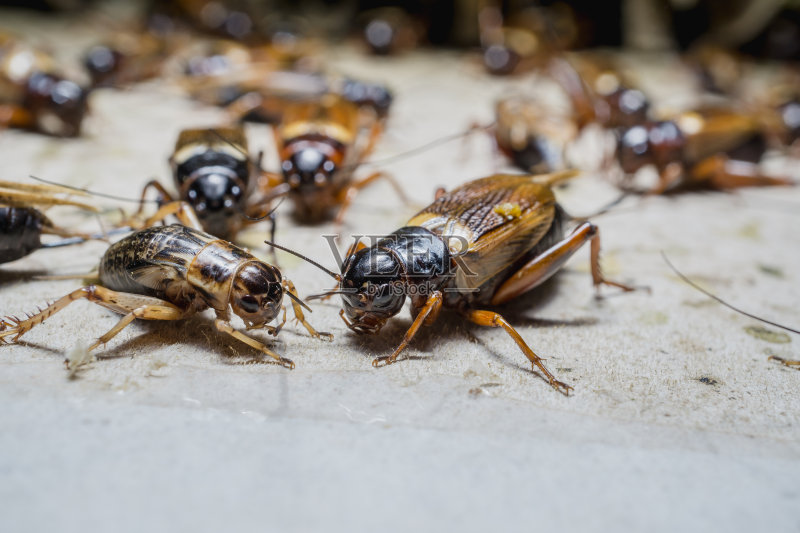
(495, 320)
(132, 306)
(544, 265)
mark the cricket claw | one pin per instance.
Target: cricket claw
(324, 336)
(384, 360)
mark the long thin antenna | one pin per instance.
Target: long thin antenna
(425, 147)
(335, 276)
(298, 300)
(723, 302)
(321, 295)
(93, 193)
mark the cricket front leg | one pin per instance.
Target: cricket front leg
(181, 210)
(543, 266)
(426, 315)
(495, 320)
(288, 286)
(222, 324)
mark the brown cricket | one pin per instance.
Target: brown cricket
(478, 246)
(172, 272)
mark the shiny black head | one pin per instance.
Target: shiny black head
(412, 261)
(656, 143)
(372, 287)
(59, 105)
(633, 148)
(308, 168)
(217, 197)
(103, 64)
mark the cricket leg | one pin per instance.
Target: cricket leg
(721, 172)
(288, 286)
(181, 210)
(541, 267)
(785, 362)
(224, 326)
(163, 195)
(494, 320)
(131, 305)
(426, 315)
(347, 196)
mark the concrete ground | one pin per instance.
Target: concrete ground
(678, 420)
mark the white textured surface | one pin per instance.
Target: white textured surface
(166, 434)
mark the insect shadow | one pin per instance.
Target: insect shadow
(197, 333)
(450, 326)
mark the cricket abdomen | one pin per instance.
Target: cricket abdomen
(20, 232)
(148, 261)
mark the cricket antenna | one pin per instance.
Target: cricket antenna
(329, 293)
(430, 145)
(90, 192)
(334, 275)
(298, 300)
(723, 302)
(268, 214)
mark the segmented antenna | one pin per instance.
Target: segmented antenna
(332, 274)
(93, 193)
(723, 302)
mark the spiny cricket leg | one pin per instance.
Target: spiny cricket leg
(541, 267)
(24, 197)
(594, 260)
(494, 320)
(347, 196)
(724, 173)
(119, 302)
(182, 211)
(225, 327)
(288, 286)
(426, 315)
